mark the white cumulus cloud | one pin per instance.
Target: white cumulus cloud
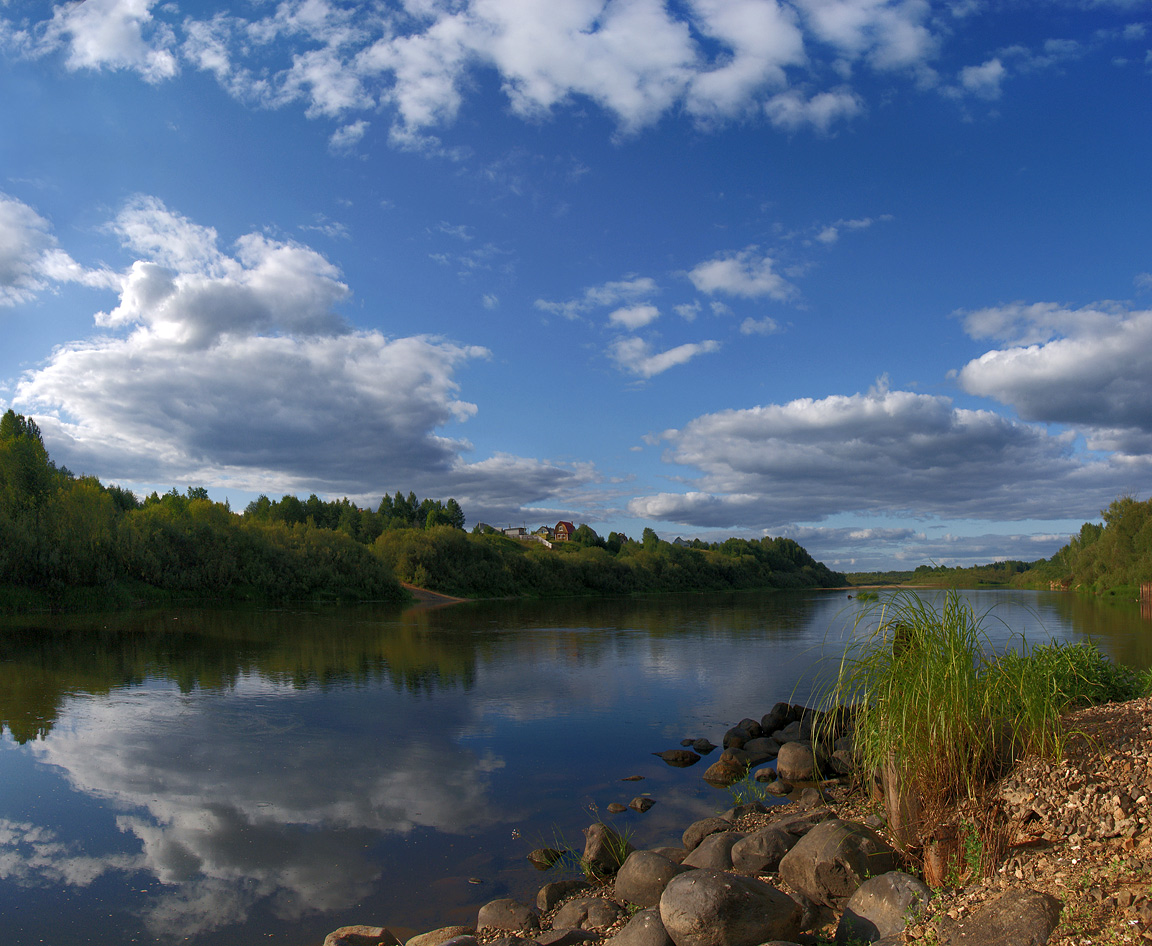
(30, 259)
(886, 452)
(635, 355)
(747, 273)
(1087, 368)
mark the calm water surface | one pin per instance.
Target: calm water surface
(243, 777)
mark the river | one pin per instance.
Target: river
(265, 776)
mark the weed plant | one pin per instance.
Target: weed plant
(936, 702)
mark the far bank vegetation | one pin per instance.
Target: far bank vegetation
(1113, 556)
(69, 541)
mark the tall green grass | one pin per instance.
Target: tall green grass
(936, 705)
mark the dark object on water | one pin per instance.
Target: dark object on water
(632, 778)
(641, 804)
(615, 807)
(681, 758)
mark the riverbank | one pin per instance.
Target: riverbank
(1071, 834)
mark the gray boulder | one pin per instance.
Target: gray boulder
(832, 860)
(644, 929)
(715, 851)
(716, 908)
(796, 762)
(587, 913)
(510, 915)
(604, 850)
(1018, 918)
(675, 854)
(882, 906)
(761, 851)
(790, 733)
(644, 876)
(779, 717)
(751, 726)
(440, 936)
(551, 894)
(735, 738)
(762, 747)
(748, 808)
(361, 936)
(699, 830)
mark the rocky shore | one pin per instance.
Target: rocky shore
(1057, 852)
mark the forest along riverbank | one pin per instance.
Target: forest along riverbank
(1057, 851)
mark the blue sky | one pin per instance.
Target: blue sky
(874, 274)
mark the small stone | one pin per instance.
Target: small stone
(641, 804)
(615, 807)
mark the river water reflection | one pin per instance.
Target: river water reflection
(236, 777)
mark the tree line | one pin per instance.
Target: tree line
(489, 564)
(72, 541)
(1113, 555)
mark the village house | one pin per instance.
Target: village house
(564, 531)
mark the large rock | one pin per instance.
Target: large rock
(735, 738)
(699, 830)
(762, 747)
(796, 762)
(587, 913)
(442, 935)
(1018, 918)
(833, 859)
(510, 915)
(644, 929)
(751, 726)
(361, 936)
(715, 908)
(604, 850)
(779, 717)
(551, 894)
(790, 733)
(882, 906)
(761, 851)
(725, 771)
(736, 812)
(644, 876)
(715, 851)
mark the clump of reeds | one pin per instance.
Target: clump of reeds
(939, 711)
